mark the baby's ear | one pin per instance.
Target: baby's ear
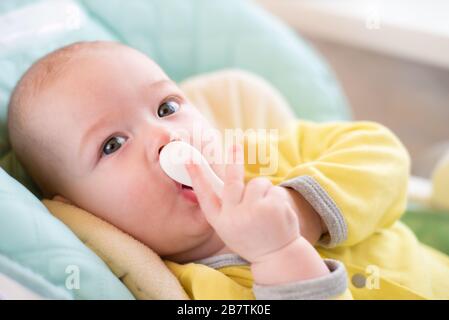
(61, 198)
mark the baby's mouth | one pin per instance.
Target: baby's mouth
(182, 186)
(187, 192)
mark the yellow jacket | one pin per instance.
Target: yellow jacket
(355, 176)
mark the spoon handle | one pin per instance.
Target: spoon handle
(216, 182)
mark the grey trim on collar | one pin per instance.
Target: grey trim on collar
(330, 286)
(223, 260)
(320, 200)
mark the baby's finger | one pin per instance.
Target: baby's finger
(256, 189)
(233, 182)
(277, 193)
(209, 202)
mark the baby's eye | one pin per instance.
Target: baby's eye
(113, 144)
(167, 108)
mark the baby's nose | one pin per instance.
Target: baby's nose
(175, 138)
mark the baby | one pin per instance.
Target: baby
(88, 122)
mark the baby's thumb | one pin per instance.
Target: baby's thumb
(209, 202)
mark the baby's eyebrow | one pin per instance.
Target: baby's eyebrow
(158, 85)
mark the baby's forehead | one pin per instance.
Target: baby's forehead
(48, 70)
(66, 62)
(76, 84)
(103, 70)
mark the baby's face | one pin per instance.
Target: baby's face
(106, 120)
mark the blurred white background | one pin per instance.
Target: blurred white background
(392, 60)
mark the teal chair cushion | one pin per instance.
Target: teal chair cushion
(186, 37)
(33, 238)
(34, 282)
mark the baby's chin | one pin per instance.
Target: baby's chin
(193, 222)
(202, 226)
(195, 234)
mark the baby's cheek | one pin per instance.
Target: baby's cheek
(138, 193)
(134, 188)
(141, 193)
(127, 202)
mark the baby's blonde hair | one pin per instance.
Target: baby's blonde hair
(33, 153)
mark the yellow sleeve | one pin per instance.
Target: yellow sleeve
(354, 174)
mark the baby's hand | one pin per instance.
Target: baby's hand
(253, 220)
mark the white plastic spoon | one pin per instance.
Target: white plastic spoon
(175, 155)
